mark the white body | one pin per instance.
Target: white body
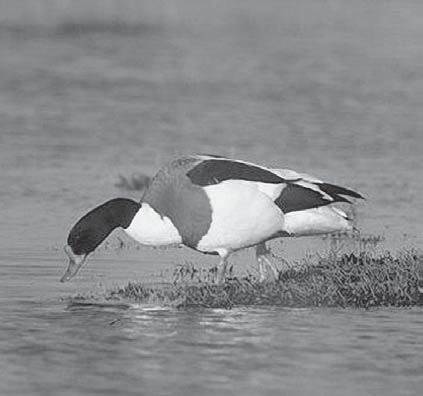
(242, 216)
(149, 228)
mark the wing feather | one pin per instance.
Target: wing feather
(309, 192)
(215, 171)
(290, 190)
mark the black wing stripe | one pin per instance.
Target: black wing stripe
(210, 172)
(334, 190)
(294, 198)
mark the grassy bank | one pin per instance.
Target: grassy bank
(348, 280)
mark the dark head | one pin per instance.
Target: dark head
(93, 228)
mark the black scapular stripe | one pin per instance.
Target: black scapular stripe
(334, 190)
(294, 198)
(216, 171)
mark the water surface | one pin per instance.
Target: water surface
(333, 88)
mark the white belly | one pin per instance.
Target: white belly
(242, 216)
(149, 228)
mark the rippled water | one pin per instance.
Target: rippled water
(332, 88)
(151, 350)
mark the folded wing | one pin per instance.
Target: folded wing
(303, 192)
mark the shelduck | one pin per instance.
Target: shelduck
(215, 205)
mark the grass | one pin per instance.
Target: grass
(362, 279)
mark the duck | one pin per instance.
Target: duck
(215, 205)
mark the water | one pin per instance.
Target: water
(331, 88)
(151, 350)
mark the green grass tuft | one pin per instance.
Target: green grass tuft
(348, 280)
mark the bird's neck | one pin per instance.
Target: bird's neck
(94, 227)
(118, 212)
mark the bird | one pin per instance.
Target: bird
(215, 205)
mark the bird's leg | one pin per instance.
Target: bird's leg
(262, 254)
(221, 268)
(261, 250)
(261, 267)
